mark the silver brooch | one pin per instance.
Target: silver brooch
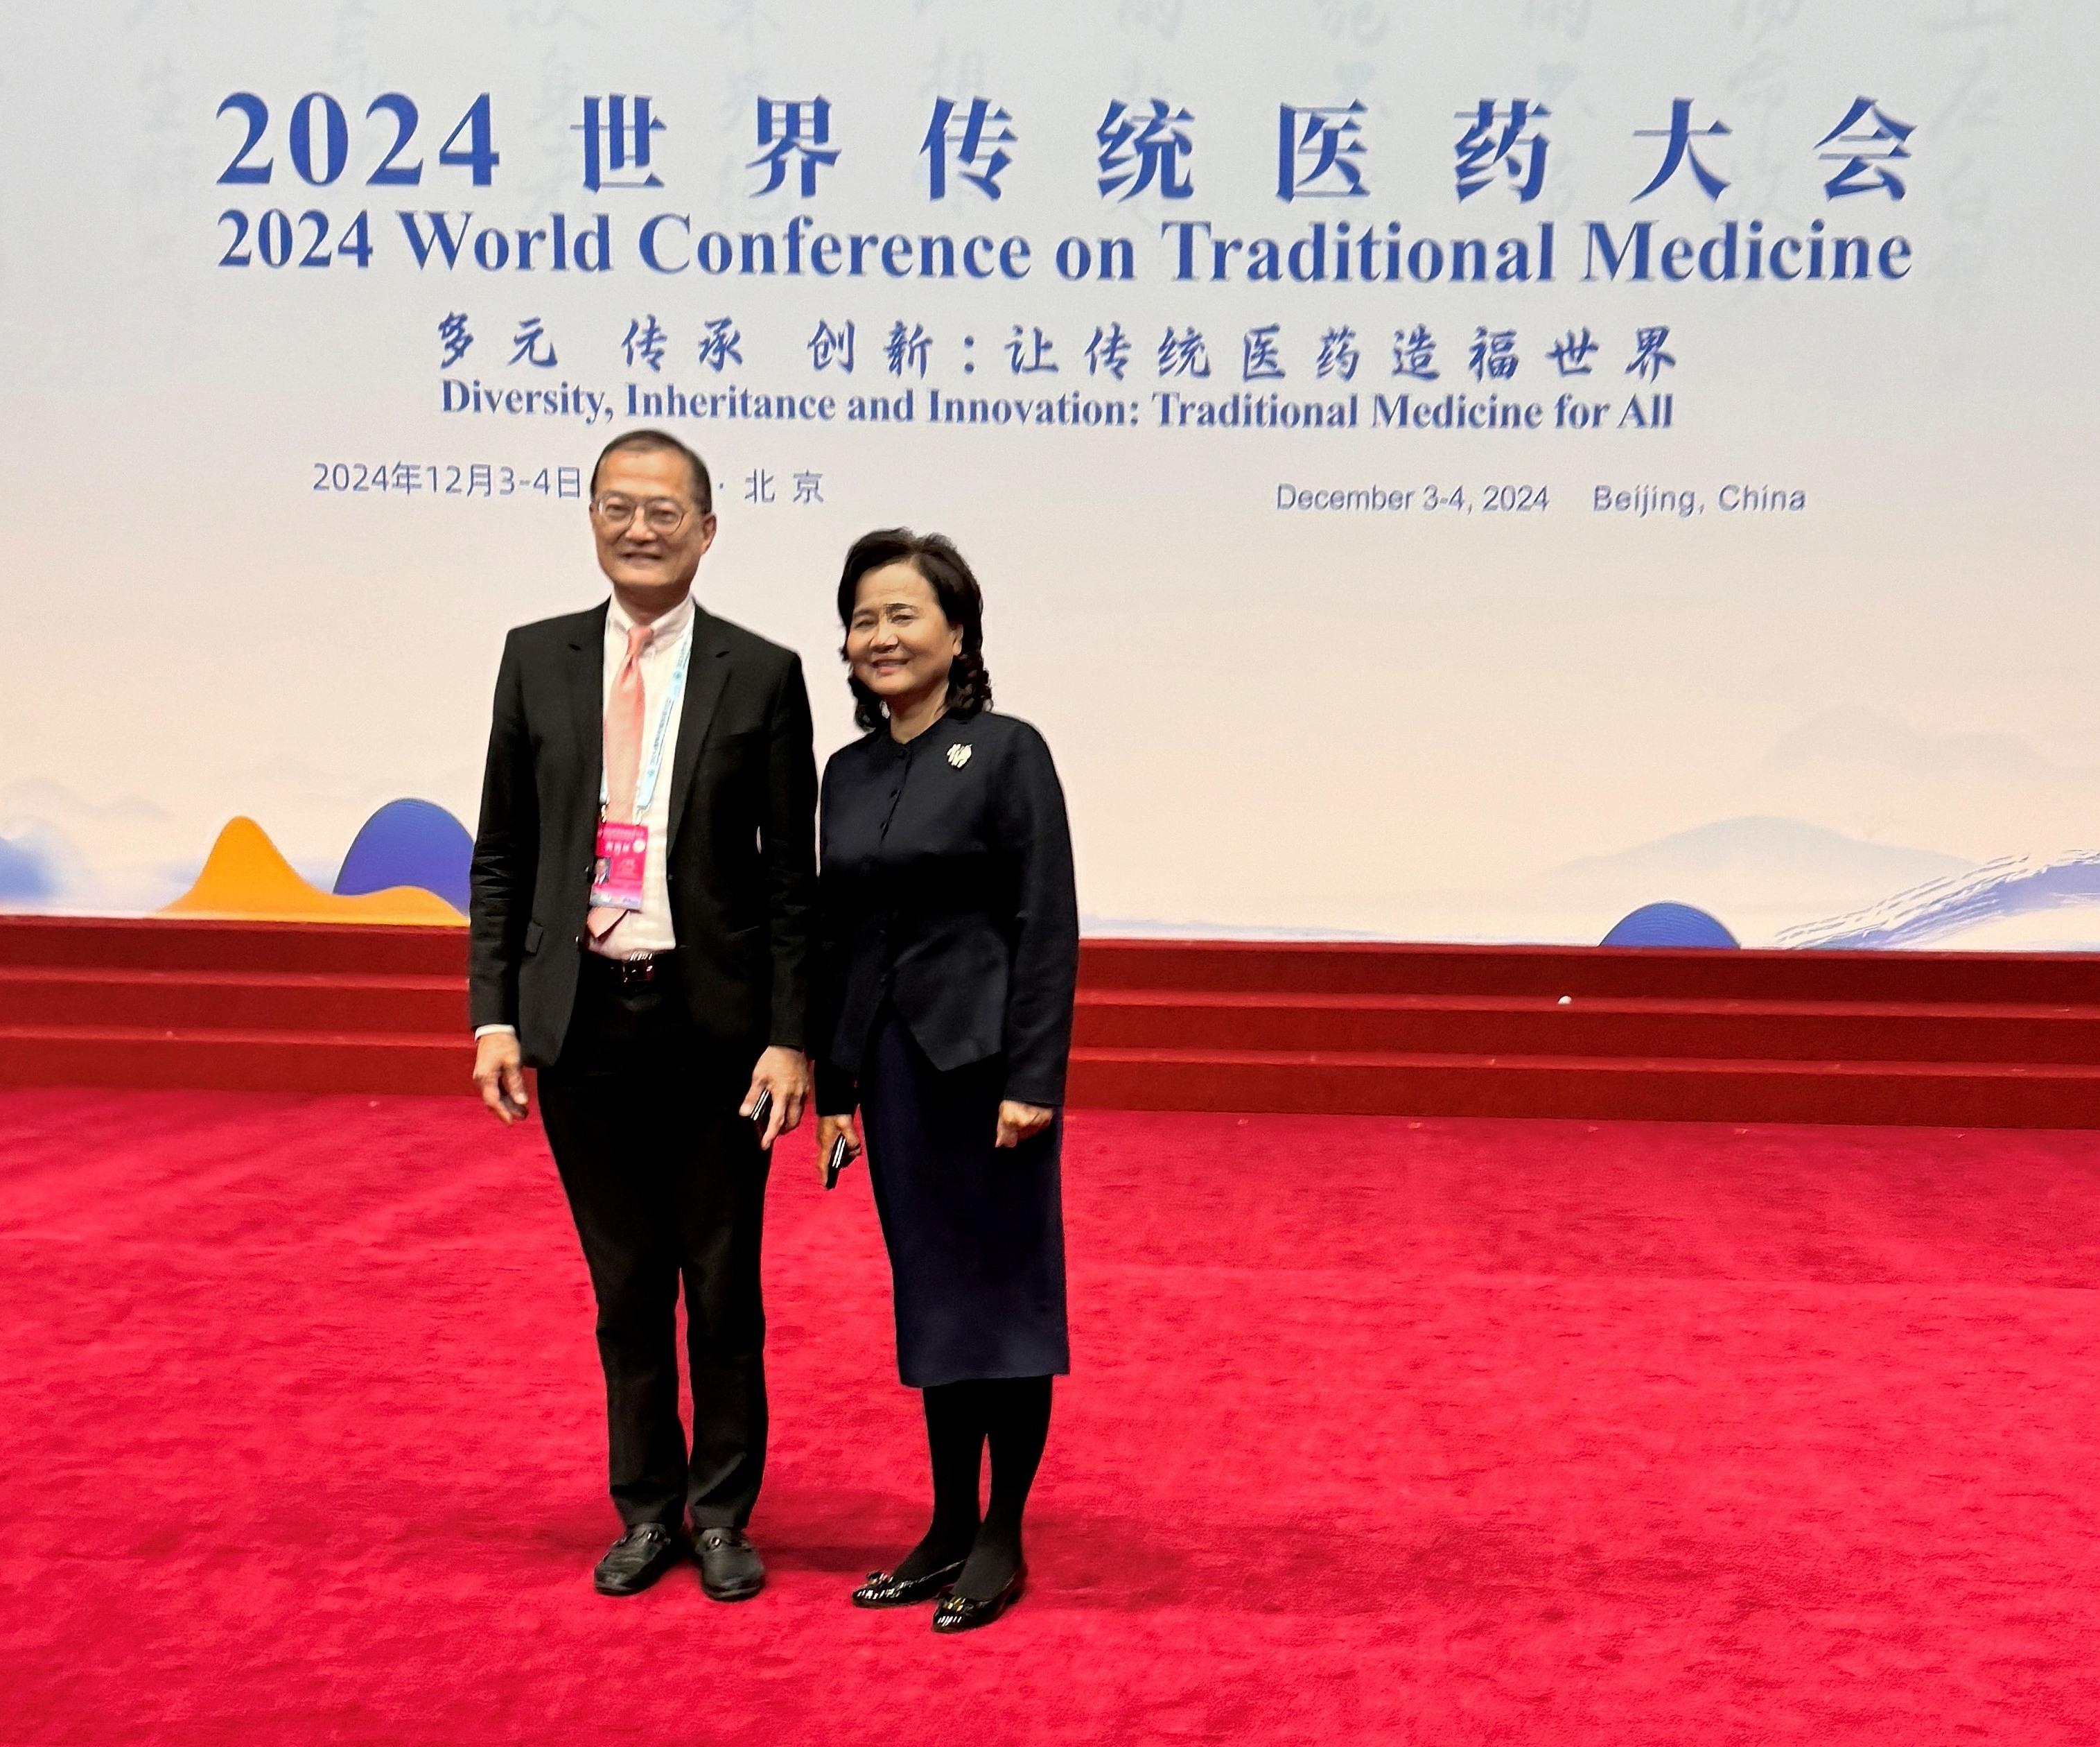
(959, 755)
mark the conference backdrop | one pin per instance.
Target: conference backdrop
(1443, 472)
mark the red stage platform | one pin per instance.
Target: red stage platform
(2006, 1040)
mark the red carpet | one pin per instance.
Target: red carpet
(1446, 1432)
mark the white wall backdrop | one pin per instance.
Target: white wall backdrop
(1513, 716)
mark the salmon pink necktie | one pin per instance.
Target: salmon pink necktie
(623, 752)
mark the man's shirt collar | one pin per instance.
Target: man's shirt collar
(669, 628)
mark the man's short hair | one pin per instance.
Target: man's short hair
(703, 485)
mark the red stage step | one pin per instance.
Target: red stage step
(1970, 1039)
(1589, 1026)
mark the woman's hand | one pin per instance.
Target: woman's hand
(1018, 1122)
(828, 1130)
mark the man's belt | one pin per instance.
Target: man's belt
(637, 969)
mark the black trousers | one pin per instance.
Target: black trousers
(667, 1184)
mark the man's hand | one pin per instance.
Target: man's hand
(1018, 1122)
(829, 1128)
(500, 1072)
(785, 1073)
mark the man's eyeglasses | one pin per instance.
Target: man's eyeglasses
(660, 515)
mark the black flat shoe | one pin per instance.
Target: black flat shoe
(637, 1559)
(965, 1613)
(882, 1590)
(731, 1569)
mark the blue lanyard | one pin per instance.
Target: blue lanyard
(645, 788)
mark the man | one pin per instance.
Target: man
(642, 885)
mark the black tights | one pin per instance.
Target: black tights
(1013, 1415)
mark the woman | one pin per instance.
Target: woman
(947, 954)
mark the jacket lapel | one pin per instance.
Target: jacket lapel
(584, 682)
(706, 676)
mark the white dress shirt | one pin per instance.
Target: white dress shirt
(647, 930)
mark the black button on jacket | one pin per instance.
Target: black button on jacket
(947, 888)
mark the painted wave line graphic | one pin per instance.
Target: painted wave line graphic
(2010, 885)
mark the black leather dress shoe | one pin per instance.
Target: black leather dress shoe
(965, 1613)
(637, 1559)
(731, 1569)
(882, 1590)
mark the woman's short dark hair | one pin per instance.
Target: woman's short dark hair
(935, 558)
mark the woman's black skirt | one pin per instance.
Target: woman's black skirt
(976, 1234)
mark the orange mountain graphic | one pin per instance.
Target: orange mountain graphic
(245, 876)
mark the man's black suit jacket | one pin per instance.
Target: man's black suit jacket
(741, 854)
